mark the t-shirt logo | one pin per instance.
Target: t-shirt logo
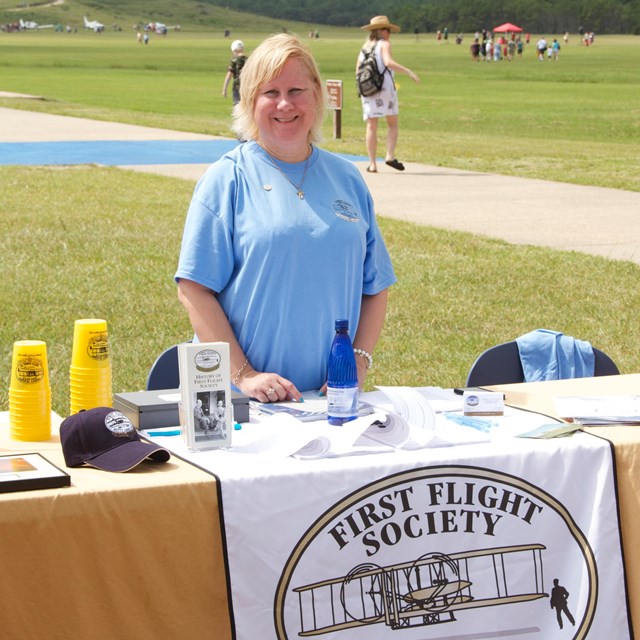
(345, 211)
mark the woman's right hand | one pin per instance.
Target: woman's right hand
(268, 387)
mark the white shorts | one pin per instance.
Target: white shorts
(380, 104)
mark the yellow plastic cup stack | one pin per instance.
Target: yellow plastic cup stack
(30, 392)
(90, 370)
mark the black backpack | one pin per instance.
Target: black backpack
(368, 77)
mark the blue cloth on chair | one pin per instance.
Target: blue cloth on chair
(550, 355)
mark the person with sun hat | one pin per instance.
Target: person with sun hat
(385, 103)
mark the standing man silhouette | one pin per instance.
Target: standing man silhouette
(559, 597)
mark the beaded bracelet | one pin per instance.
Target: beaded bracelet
(236, 378)
(366, 355)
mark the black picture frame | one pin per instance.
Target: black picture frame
(29, 471)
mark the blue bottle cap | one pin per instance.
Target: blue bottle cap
(342, 324)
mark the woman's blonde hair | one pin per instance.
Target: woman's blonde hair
(262, 66)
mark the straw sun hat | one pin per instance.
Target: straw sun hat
(381, 22)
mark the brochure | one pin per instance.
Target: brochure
(205, 390)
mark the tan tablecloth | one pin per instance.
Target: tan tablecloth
(131, 555)
(139, 555)
(539, 396)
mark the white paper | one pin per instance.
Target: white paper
(404, 420)
(599, 409)
(411, 425)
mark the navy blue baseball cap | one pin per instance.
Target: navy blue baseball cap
(106, 439)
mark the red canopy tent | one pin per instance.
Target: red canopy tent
(507, 27)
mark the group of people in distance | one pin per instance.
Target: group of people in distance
(281, 237)
(488, 48)
(552, 51)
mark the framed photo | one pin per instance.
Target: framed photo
(27, 471)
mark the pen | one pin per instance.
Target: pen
(173, 432)
(474, 423)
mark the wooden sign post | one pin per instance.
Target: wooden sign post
(334, 91)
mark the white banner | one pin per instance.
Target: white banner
(511, 540)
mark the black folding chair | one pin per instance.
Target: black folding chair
(501, 365)
(164, 373)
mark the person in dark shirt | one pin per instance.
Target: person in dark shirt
(233, 72)
(475, 50)
(559, 597)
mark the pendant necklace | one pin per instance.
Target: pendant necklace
(298, 188)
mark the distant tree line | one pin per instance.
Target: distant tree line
(535, 16)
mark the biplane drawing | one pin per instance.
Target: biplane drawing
(424, 592)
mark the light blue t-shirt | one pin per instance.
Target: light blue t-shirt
(550, 355)
(285, 268)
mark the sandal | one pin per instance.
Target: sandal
(395, 164)
(370, 170)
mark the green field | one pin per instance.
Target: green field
(576, 120)
(96, 242)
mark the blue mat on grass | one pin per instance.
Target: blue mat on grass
(114, 152)
(117, 153)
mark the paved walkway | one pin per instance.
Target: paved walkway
(603, 222)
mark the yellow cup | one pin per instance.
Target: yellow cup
(25, 395)
(90, 370)
(31, 430)
(30, 392)
(90, 391)
(36, 413)
(84, 373)
(96, 376)
(29, 368)
(35, 408)
(90, 344)
(93, 392)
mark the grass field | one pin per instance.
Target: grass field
(576, 120)
(96, 242)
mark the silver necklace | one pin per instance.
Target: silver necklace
(298, 188)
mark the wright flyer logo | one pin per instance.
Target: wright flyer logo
(435, 552)
(449, 524)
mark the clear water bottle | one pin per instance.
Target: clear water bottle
(342, 378)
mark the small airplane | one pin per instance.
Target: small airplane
(30, 24)
(423, 592)
(98, 27)
(160, 28)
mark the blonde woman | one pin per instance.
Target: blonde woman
(281, 237)
(385, 103)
